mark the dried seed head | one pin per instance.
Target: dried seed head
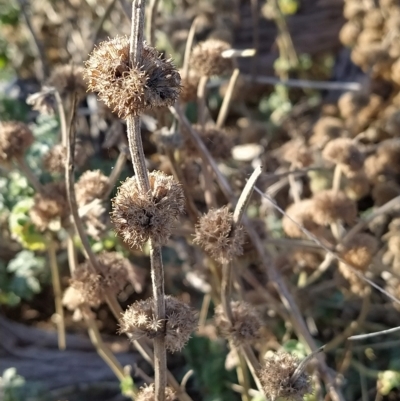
(15, 139)
(351, 102)
(325, 129)
(357, 185)
(180, 321)
(359, 251)
(217, 141)
(139, 216)
(147, 393)
(301, 212)
(278, 380)
(112, 277)
(385, 191)
(296, 152)
(389, 152)
(68, 79)
(344, 151)
(54, 159)
(331, 206)
(206, 58)
(87, 287)
(72, 299)
(245, 326)
(215, 234)
(91, 185)
(131, 90)
(50, 206)
(349, 33)
(189, 87)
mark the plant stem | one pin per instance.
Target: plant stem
(223, 111)
(61, 115)
(201, 101)
(151, 22)
(55, 278)
(115, 173)
(188, 48)
(105, 353)
(139, 165)
(337, 175)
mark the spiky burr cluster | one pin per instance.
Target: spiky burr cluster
(15, 139)
(217, 236)
(147, 393)
(138, 216)
(245, 326)
(131, 90)
(180, 321)
(278, 380)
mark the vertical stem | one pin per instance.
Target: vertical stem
(188, 48)
(139, 165)
(61, 115)
(115, 173)
(137, 154)
(201, 101)
(223, 111)
(337, 176)
(55, 278)
(160, 356)
(151, 22)
(226, 285)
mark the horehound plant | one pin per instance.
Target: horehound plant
(131, 78)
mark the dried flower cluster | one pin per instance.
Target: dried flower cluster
(131, 90)
(92, 184)
(180, 321)
(50, 206)
(54, 160)
(90, 286)
(147, 393)
(244, 329)
(279, 380)
(138, 217)
(15, 139)
(216, 235)
(68, 80)
(206, 58)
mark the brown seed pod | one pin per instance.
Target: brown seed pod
(54, 160)
(217, 141)
(215, 234)
(139, 216)
(189, 87)
(49, 206)
(359, 251)
(296, 152)
(344, 151)
(349, 33)
(206, 59)
(92, 286)
(331, 206)
(278, 378)
(384, 192)
(351, 102)
(389, 153)
(180, 321)
(131, 90)
(91, 185)
(244, 328)
(356, 185)
(15, 139)
(325, 129)
(147, 393)
(68, 79)
(301, 212)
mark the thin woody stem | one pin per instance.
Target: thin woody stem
(223, 111)
(116, 172)
(151, 22)
(55, 278)
(139, 165)
(188, 48)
